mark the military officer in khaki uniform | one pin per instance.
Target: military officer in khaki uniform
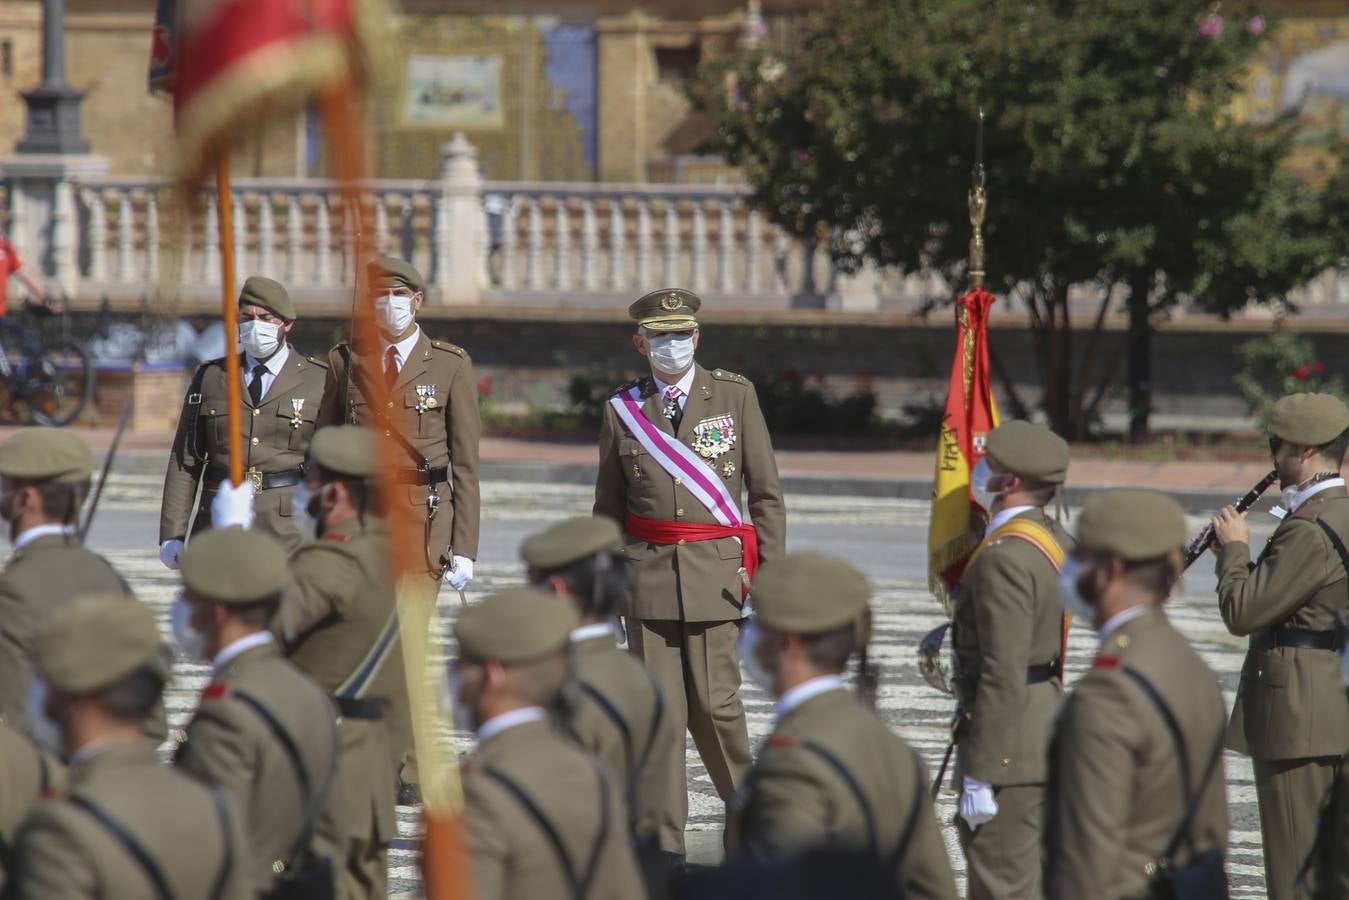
(618, 711)
(1007, 636)
(676, 450)
(263, 733)
(44, 478)
(545, 818)
(831, 775)
(281, 394)
(129, 828)
(1290, 716)
(28, 775)
(1136, 773)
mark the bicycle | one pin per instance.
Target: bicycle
(53, 378)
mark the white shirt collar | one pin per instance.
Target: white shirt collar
(1004, 517)
(38, 531)
(274, 364)
(804, 691)
(402, 349)
(1305, 495)
(239, 647)
(685, 383)
(586, 632)
(497, 724)
(1113, 623)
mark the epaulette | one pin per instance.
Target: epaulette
(337, 538)
(449, 348)
(318, 361)
(781, 741)
(723, 375)
(1106, 662)
(215, 690)
(627, 387)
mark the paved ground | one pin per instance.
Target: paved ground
(884, 536)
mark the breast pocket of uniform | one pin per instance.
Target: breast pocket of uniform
(215, 428)
(423, 409)
(635, 459)
(299, 422)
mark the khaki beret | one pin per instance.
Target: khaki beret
(268, 294)
(97, 639)
(42, 454)
(1132, 523)
(234, 566)
(346, 449)
(809, 593)
(1031, 451)
(1309, 420)
(569, 541)
(668, 309)
(391, 273)
(514, 626)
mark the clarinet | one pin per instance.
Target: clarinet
(1201, 543)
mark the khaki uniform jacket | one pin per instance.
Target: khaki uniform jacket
(444, 428)
(276, 439)
(1007, 618)
(797, 797)
(1116, 797)
(41, 577)
(231, 746)
(513, 857)
(699, 581)
(331, 622)
(26, 776)
(1290, 703)
(65, 852)
(619, 715)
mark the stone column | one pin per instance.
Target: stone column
(459, 242)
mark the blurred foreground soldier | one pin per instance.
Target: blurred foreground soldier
(676, 449)
(1136, 794)
(820, 874)
(281, 395)
(831, 774)
(44, 477)
(129, 827)
(1290, 714)
(263, 733)
(1329, 862)
(1007, 637)
(546, 819)
(617, 709)
(28, 774)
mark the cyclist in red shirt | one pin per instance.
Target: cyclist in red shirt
(10, 264)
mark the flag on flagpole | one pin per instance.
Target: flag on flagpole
(163, 41)
(970, 415)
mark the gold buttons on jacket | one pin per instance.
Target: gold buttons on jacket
(679, 513)
(678, 482)
(681, 542)
(1006, 761)
(255, 441)
(256, 411)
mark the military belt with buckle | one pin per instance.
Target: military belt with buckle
(431, 477)
(264, 481)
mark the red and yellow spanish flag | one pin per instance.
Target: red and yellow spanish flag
(970, 415)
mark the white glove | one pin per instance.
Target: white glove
(232, 506)
(169, 551)
(460, 573)
(977, 805)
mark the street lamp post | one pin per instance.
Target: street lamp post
(53, 106)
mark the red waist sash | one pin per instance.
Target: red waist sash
(659, 531)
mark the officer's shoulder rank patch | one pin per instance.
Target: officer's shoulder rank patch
(449, 348)
(215, 690)
(1104, 661)
(318, 361)
(627, 387)
(781, 741)
(724, 375)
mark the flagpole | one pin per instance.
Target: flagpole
(229, 315)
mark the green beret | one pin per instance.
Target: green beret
(569, 541)
(1131, 523)
(515, 626)
(42, 454)
(809, 593)
(668, 309)
(268, 294)
(1309, 420)
(391, 273)
(234, 566)
(346, 449)
(95, 640)
(1031, 451)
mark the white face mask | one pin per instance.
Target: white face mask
(259, 339)
(747, 645)
(393, 313)
(459, 710)
(979, 479)
(1070, 596)
(46, 732)
(305, 522)
(671, 353)
(190, 642)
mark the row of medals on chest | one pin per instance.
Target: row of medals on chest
(712, 438)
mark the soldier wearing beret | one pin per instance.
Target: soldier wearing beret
(618, 711)
(128, 827)
(546, 819)
(281, 394)
(44, 478)
(1136, 787)
(263, 733)
(1007, 641)
(677, 448)
(28, 774)
(1290, 716)
(831, 775)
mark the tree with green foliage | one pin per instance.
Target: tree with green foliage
(1112, 152)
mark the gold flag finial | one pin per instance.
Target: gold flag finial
(978, 202)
